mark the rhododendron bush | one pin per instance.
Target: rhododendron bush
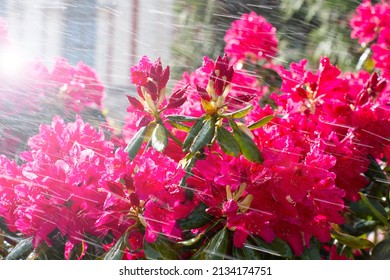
(244, 159)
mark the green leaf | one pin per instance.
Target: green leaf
(227, 142)
(79, 251)
(196, 219)
(363, 226)
(246, 253)
(350, 240)
(135, 143)
(162, 249)
(204, 137)
(261, 122)
(375, 172)
(377, 213)
(117, 251)
(193, 241)
(180, 126)
(277, 247)
(361, 209)
(311, 253)
(21, 250)
(192, 134)
(159, 138)
(382, 250)
(175, 118)
(217, 247)
(248, 148)
(239, 113)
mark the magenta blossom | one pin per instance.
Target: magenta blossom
(251, 37)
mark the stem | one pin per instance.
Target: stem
(170, 134)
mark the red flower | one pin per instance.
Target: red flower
(139, 73)
(381, 52)
(156, 184)
(219, 84)
(291, 196)
(251, 37)
(151, 80)
(369, 21)
(60, 184)
(10, 178)
(78, 87)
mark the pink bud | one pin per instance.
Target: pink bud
(214, 211)
(135, 104)
(203, 93)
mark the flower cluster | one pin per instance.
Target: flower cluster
(231, 164)
(79, 86)
(251, 37)
(59, 181)
(371, 25)
(347, 114)
(370, 20)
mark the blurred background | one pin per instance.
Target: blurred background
(111, 36)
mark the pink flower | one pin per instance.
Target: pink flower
(381, 52)
(10, 178)
(369, 20)
(251, 37)
(60, 186)
(150, 80)
(291, 196)
(79, 87)
(156, 183)
(139, 73)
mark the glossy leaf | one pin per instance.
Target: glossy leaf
(350, 240)
(192, 134)
(227, 142)
(180, 126)
(277, 247)
(377, 213)
(193, 241)
(248, 148)
(159, 138)
(117, 251)
(162, 249)
(197, 218)
(216, 248)
(177, 118)
(78, 251)
(261, 122)
(312, 252)
(21, 250)
(382, 250)
(204, 137)
(375, 172)
(239, 113)
(135, 143)
(362, 210)
(246, 253)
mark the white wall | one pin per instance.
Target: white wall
(37, 27)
